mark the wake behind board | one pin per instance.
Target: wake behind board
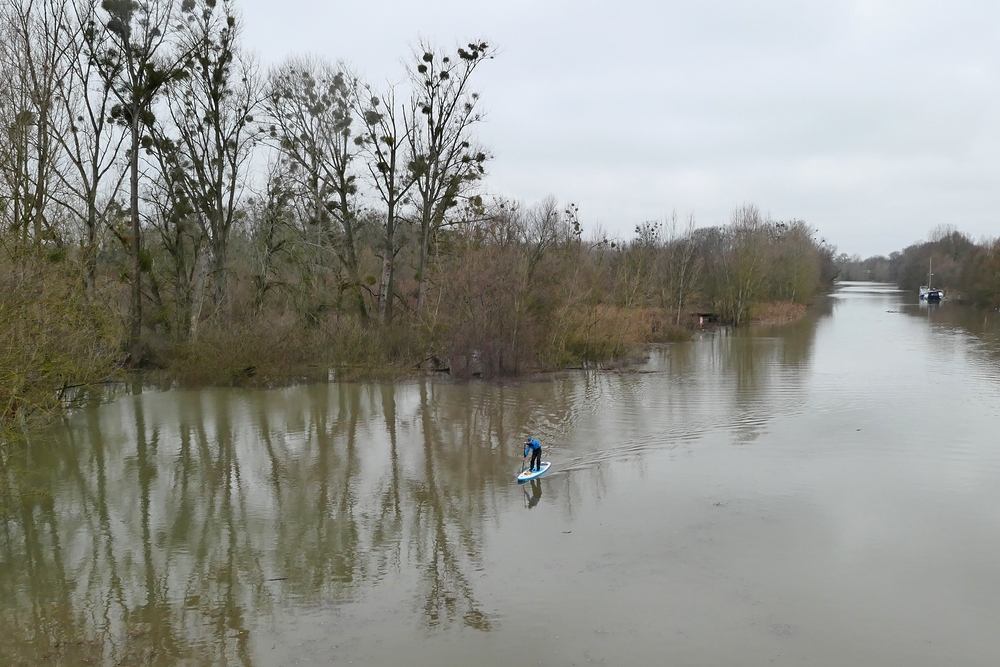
(527, 474)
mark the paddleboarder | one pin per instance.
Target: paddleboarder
(533, 447)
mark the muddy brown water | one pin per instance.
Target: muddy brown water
(826, 493)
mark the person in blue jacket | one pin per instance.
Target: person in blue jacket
(535, 448)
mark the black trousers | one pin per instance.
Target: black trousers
(536, 458)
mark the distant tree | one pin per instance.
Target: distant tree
(744, 262)
(852, 267)
(943, 256)
(942, 232)
(683, 265)
(796, 265)
(636, 269)
(980, 275)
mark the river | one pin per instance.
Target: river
(825, 493)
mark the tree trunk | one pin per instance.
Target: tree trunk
(421, 282)
(219, 257)
(136, 310)
(352, 257)
(388, 269)
(41, 176)
(355, 277)
(198, 291)
(92, 230)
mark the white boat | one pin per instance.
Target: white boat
(928, 293)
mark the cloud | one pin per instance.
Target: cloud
(874, 120)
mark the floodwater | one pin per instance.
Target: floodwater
(826, 493)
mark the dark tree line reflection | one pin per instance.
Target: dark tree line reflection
(170, 528)
(165, 527)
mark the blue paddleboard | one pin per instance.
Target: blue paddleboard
(526, 475)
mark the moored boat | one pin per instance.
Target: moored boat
(928, 293)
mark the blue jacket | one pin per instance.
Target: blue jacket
(530, 445)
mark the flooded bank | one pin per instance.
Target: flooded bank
(824, 493)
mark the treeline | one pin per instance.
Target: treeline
(521, 286)
(166, 203)
(968, 271)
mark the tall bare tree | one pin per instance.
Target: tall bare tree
(30, 58)
(310, 107)
(745, 263)
(136, 63)
(635, 276)
(212, 134)
(19, 122)
(268, 227)
(90, 141)
(178, 274)
(682, 266)
(386, 140)
(443, 112)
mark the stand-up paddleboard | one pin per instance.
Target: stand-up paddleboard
(527, 474)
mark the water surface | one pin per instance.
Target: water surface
(826, 493)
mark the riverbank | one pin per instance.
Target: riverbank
(266, 356)
(281, 354)
(43, 362)
(504, 297)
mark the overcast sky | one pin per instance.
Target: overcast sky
(873, 120)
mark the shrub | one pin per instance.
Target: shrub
(57, 335)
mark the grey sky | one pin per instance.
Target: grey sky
(873, 120)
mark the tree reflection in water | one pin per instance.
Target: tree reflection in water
(765, 371)
(170, 526)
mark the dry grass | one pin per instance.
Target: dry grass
(657, 326)
(779, 312)
(603, 332)
(277, 352)
(280, 352)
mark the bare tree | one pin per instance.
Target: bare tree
(682, 266)
(177, 281)
(310, 108)
(212, 134)
(135, 63)
(19, 122)
(90, 141)
(744, 262)
(635, 277)
(30, 58)
(441, 117)
(796, 271)
(386, 140)
(269, 221)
